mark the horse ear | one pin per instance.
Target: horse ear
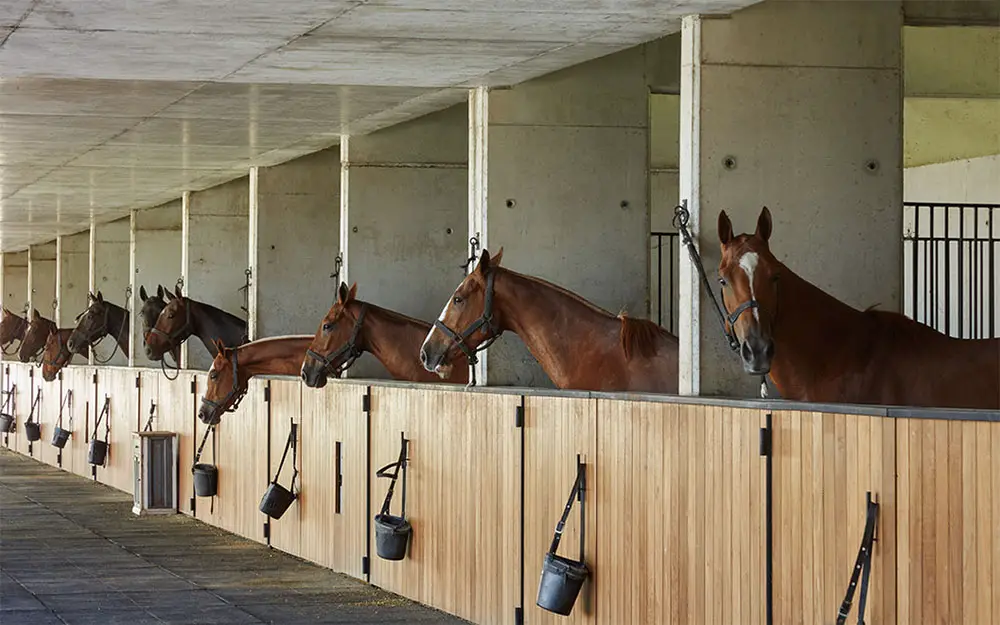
(484, 262)
(35, 314)
(342, 293)
(159, 291)
(495, 261)
(142, 293)
(167, 295)
(219, 345)
(177, 292)
(353, 292)
(725, 228)
(100, 297)
(764, 224)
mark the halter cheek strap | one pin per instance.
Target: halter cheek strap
(62, 356)
(349, 351)
(179, 335)
(486, 319)
(232, 400)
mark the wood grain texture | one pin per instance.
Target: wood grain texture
(463, 499)
(286, 408)
(48, 415)
(118, 383)
(76, 419)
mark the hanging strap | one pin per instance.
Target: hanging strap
(67, 399)
(204, 439)
(7, 403)
(107, 422)
(576, 493)
(396, 467)
(862, 567)
(290, 443)
(34, 405)
(149, 420)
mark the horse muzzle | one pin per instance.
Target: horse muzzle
(314, 373)
(756, 353)
(209, 414)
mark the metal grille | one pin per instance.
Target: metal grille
(951, 267)
(663, 294)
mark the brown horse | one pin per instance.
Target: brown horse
(819, 349)
(183, 317)
(579, 345)
(12, 328)
(280, 355)
(100, 319)
(56, 353)
(35, 336)
(353, 327)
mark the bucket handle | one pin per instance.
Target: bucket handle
(34, 405)
(10, 393)
(579, 486)
(66, 400)
(291, 442)
(204, 439)
(862, 566)
(105, 410)
(397, 467)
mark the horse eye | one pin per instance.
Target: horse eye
(457, 300)
(722, 281)
(214, 375)
(327, 327)
(170, 316)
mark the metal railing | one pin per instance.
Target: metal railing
(663, 291)
(951, 267)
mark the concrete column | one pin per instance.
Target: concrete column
(74, 276)
(15, 281)
(42, 278)
(796, 106)
(405, 228)
(216, 223)
(156, 235)
(295, 246)
(112, 274)
(567, 190)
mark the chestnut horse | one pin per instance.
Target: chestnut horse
(353, 327)
(35, 339)
(102, 318)
(579, 345)
(183, 317)
(12, 328)
(280, 355)
(56, 353)
(816, 348)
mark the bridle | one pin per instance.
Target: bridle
(36, 356)
(63, 356)
(232, 400)
(486, 319)
(104, 327)
(733, 317)
(178, 336)
(350, 350)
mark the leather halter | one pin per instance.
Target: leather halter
(178, 336)
(734, 316)
(38, 352)
(107, 332)
(486, 319)
(232, 400)
(349, 349)
(58, 362)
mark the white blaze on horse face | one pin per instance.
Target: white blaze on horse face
(748, 262)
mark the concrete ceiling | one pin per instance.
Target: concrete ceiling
(111, 105)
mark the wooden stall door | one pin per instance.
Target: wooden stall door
(680, 493)
(48, 415)
(24, 394)
(949, 514)
(555, 431)
(175, 412)
(118, 383)
(285, 409)
(77, 418)
(334, 536)
(462, 501)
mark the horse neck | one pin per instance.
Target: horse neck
(284, 358)
(552, 322)
(20, 327)
(83, 350)
(395, 340)
(118, 321)
(209, 323)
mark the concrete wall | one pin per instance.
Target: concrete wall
(74, 276)
(112, 274)
(217, 227)
(42, 272)
(15, 281)
(298, 239)
(407, 217)
(974, 180)
(158, 246)
(567, 190)
(802, 95)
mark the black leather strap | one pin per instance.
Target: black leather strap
(579, 486)
(862, 567)
(291, 442)
(350, 349)
(104, 414)
(397, 467)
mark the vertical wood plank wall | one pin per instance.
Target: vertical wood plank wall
(675, 495)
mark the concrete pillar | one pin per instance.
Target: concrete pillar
(405, 229)
(215, 231)
(74, 276)
(111, 274)
(156, 260)
(15, 281)
(567, 190)
(42, 278)
(296, 219)
(796, 106)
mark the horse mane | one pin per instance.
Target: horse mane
(640, 336)
(562, 290)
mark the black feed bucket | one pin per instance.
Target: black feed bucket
(206, 480)
(33, 431)
(59, 437)
(6, 420)
(98, 452)
(561, 582)
(276, 500)
(392, 535)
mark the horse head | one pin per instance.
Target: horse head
(171, 327)
(335, 344)
(91, 325)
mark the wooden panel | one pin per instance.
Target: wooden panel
(949, 546)
(119, 384)
(174, 413)
(48, 416)
(556, 430)
(463, 499)
(680, 514)
(76, 418)
(330, 415)
(21, 377)
(286, 407)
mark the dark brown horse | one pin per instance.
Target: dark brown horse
(353, 327)
(34, 338)
(152, 306)
(819, 349)
(579, 345)
(232, 369)
(56, 353)
(12, 328)
(102, 318)
(183, 317)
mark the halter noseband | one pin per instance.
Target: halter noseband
(486, 319)
(232, 400)
(350, 349)
(734, 316)
(175, 338)
(58, 362)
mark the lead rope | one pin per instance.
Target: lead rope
(176, 367)
(121, 331)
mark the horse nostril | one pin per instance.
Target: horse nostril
(423, 357)
(746, 351)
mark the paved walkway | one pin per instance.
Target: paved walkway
(72, 552)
